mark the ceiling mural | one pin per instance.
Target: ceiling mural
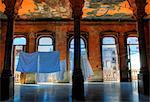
(2, 8)
(147, 8)
(60, 9)
(107, 9)
(45, 9)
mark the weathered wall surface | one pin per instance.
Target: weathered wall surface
(60, 29)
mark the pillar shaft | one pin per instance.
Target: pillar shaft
(8, 46)
(7, 80)
(142, 45)
(77, 78)
(144, 78)
(123, 58)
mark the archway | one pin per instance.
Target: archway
(110, 59)
(45, 44)
(133, 57)
(19, 44)
(87, 70)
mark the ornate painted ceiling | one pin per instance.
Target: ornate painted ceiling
(106, 9)
(103, 9)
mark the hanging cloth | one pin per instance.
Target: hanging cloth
(86, 67)
(27, 62)
(60, 74)
(49, 62)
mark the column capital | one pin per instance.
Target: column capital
(12, 7)
(138, 8)
(77, 6)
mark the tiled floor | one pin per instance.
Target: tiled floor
(94, 92)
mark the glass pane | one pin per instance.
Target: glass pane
(108, 40)
(45, 48)
(19, 41)
(132, 40)
(45, 41)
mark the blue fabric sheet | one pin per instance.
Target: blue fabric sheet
(49, 62)
(27, 62)
(86, 67)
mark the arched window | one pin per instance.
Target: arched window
(110, 59)
(133, 57)
(45, 44)
(19, 45)
(82, 45)
(71, 52)
(71, 49)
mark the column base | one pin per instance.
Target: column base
(124, 76)
(7, 87)
(144, 83)
(77, 86)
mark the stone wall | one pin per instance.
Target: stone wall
(61, 29)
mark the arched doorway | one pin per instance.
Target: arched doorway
(45, 44)
(110, 59)
(19, 44)
(71, 51)
(133, 57)
(87, 71)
